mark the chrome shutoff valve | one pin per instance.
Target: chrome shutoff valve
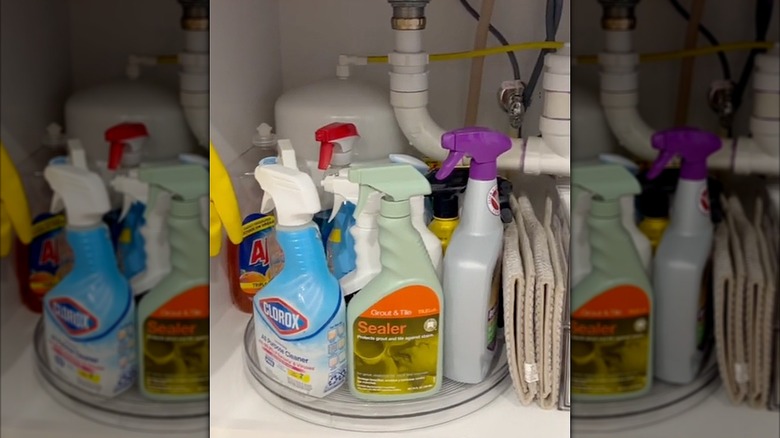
(510, 97)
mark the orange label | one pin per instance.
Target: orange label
(619, 302)
(192, 304)
(407, 302)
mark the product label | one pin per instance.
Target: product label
(176, 345)
(610, 343)
(704, 201)
(84, 353)
(492, 314)
(259, 256)
(492, 201)
(49, 254)
(315, 361)
(395, 343)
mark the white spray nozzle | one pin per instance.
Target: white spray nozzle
(342, 188)
(77, 154)
(82, 193)
(290, 191)
(133, 190)
(287, 154)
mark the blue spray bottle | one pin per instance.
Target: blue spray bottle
(300, 314)
(89, 315)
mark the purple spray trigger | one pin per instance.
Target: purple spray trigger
(659, 164)
(448, 165)
(691, 144)
(483, 146)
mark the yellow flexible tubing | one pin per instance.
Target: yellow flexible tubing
(679, 54)
(477, 53)
(589, 59)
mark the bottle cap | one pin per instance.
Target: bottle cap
(445, 205)
(290, 191)
(481, 144)
(264, 138)
(126, 140)
(83, 193)
(654, 203)
(335, 134)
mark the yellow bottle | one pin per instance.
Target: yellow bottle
(445, 217)
(654, 206)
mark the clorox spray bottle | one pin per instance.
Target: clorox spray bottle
(299, 315)
(395, 323)
(173, 317)
(472, 270)
(89, 316)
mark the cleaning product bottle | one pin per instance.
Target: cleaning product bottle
(394, 324)
(89, 315)
(446, 206)
(419, 222)
(682, 256)
(336, 142)
(258, 258)
(611, 320)
(472, 272)
(223, 205)
(363, 233)
(173, 317)
(655, 215)
(142, 250)
(299, 315)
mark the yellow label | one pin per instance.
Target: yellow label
(395, 343)
(95, 378)
(335, 235)
(48, 224)
(610, 343)
(257, 225)
(305, 378)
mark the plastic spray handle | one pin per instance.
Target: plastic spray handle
(691, 144)
(342, 188)
(187, 182)
(14, 210)
(606, 182)
(133, 190)
(399, 182)
(83, 193)
(122, 135)
(223, 206)
(483, 146)
(290, 191)
(341, 134)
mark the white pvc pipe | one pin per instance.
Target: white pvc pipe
(620, 100)
(409, 98)
(194, 83)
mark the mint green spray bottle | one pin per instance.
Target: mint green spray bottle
(173, 317)
(395, 323)
(611, 308)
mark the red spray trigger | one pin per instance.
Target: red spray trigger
(329, 136)
(118, 136)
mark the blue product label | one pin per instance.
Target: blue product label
(131, 254)
(49, 259)
(340, 249)
(283, 317)
(315, 364)
(72, 317)
(259, 256)
(93, 354)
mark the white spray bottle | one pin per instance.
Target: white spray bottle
(364, 232)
